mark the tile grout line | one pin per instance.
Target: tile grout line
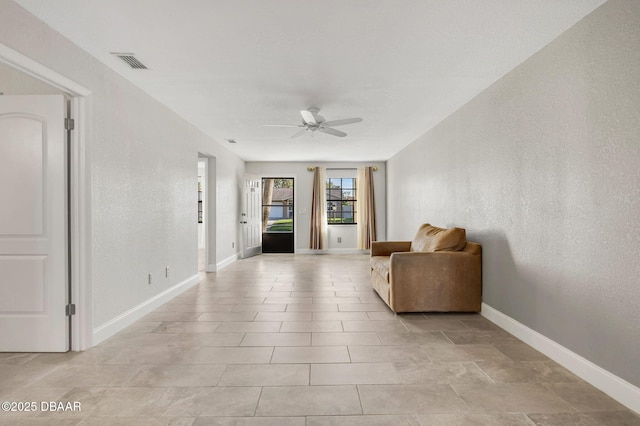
(221, 375)
(255, 411)
(484, 372)
(360, 400)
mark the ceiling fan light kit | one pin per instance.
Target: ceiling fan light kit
(312, 121)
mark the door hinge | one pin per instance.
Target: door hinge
(69, 124)
(70, 309)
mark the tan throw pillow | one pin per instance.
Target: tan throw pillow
(453, 239)
(431, 238)
(422, 240)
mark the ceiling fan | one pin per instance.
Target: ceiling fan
(313, 122)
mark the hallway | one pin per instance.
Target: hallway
(293, 340)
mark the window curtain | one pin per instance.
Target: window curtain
(318, 234)
(366, 209)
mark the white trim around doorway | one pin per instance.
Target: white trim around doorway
(80, 190)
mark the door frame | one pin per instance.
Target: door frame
(209, 211)
(79, 172)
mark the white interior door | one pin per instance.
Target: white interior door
(251, 219)
(33, 222)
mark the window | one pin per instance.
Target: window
(341, 201)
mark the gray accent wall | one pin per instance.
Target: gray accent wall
(543, 169)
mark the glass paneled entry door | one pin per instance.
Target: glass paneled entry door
(278, 215)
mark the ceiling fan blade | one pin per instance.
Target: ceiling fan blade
(342, 122)
(283, 125)
(308, 117)
(333, 132)
(299, 133)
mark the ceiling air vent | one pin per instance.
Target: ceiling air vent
(131, 60)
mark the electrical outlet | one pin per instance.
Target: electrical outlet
(150, 279)
(339, 239)
(166, 272)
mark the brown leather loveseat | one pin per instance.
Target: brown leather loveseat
(439, 271)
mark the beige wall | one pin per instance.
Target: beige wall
(543, 169)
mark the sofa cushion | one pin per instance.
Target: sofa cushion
(380, 264)
(431, 239)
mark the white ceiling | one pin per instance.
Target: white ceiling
(230, 67)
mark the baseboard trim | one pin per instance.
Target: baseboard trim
(226, 262)
(332, 251)
(617, 388)
(211, 268)
(124, 320)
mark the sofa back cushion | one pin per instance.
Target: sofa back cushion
(431, 238)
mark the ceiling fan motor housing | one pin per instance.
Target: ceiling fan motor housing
(315, 111)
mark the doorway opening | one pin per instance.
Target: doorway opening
(202, 215)
(278, 218)
(205, 215)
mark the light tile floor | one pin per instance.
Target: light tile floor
(286, 340)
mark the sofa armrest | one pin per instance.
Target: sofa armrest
(385, 248)
(434, 280)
